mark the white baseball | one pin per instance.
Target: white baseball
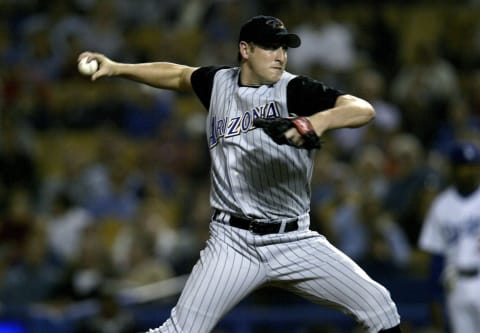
(87, 68)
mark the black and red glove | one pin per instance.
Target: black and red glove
(276, 128)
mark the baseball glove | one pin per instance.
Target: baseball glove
(276, 128)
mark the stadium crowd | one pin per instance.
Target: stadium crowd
(107, 183)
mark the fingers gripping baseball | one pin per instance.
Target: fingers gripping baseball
(276, 128)
(104, 66)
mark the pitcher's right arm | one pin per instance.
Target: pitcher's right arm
(163, 75)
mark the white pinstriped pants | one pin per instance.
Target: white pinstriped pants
(235, 262)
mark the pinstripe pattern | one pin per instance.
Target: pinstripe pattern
(235, 262)
(250, 175)
(313, 268)
(254, 177)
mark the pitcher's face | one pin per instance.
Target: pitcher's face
(263, 64)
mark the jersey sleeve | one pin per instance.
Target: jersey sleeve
(431, 239)
(202, 83)
(306, 96)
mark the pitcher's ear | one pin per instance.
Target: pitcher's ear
(243, 49)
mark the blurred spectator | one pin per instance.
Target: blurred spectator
(376, 36)
(30, 276)
(65, 23)
(40, 60)
(105, 32)
(17, 223)
(140, 263)
(462, 22)
(146, 112)
(107, 185)
(370, 85)
(322, 183)
(61, 175)
(326, 42)
(39, 65)
(18, 165)
(156, 225)
(163, 13)
(410, 177)
(121, 198)
(84, 277)
(193, 233)
(472, 89)
(423, 88)
(369, 166)
(389, 250)
(8, 49)
(354, 219)
(111, 317)
(460, 124)
(340, 213)
(65, 226)
(223, 18)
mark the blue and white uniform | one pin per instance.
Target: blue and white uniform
(452, 230)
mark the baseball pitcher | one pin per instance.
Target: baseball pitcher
(264, 126)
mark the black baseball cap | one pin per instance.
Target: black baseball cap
(267, 30)
(464, 153)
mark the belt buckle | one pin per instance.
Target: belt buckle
(253, 227)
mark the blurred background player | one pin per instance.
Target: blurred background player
(452, 231)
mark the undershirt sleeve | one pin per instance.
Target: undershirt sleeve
(202, 83)
(306, 96)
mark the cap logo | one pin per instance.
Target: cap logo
(275, 23)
